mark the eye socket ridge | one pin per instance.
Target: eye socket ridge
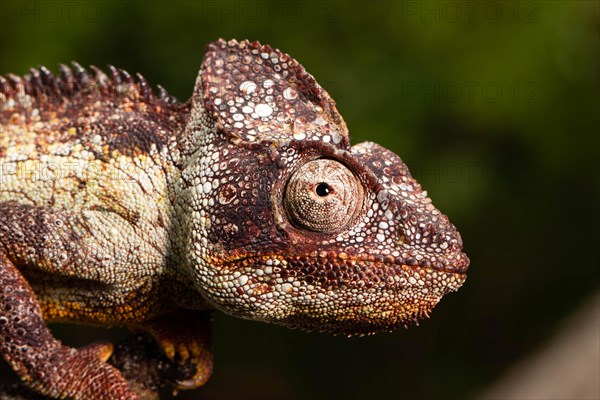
(322, 195)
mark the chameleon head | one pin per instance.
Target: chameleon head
(289, 223)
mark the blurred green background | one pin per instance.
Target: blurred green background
(493, 105)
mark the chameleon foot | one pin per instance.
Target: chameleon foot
(185, 337)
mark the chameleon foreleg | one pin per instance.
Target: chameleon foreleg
(42, 361)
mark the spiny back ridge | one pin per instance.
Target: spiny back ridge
(42, 85)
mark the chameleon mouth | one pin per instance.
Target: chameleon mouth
(331, 272)
(331, 260)
(342, 295)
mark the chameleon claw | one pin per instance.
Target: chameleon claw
(188, 384)
(199, 379)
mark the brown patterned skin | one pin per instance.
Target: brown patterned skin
(122, 207)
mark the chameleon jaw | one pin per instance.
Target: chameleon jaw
(355, 298)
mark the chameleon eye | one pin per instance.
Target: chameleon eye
(322, 196)
(322, 189)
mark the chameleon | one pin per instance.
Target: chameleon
(122, 206)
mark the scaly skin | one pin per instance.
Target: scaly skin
(121, 207)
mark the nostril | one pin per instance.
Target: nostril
(401, 237)
(399, 229)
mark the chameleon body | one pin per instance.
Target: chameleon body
(119, 206)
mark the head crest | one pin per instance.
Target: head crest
(256, 92)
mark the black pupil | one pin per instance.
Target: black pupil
(322, 189)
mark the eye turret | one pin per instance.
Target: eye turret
(323, 196)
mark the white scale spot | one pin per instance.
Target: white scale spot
(299, 135)
(290, 94)
(268, 83)
(263, 110)
(320, 121)
(337, 138)
(238, 117)
(247, 87)
(380, 237)
(206, 187)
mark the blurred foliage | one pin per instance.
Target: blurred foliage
(493, 105)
